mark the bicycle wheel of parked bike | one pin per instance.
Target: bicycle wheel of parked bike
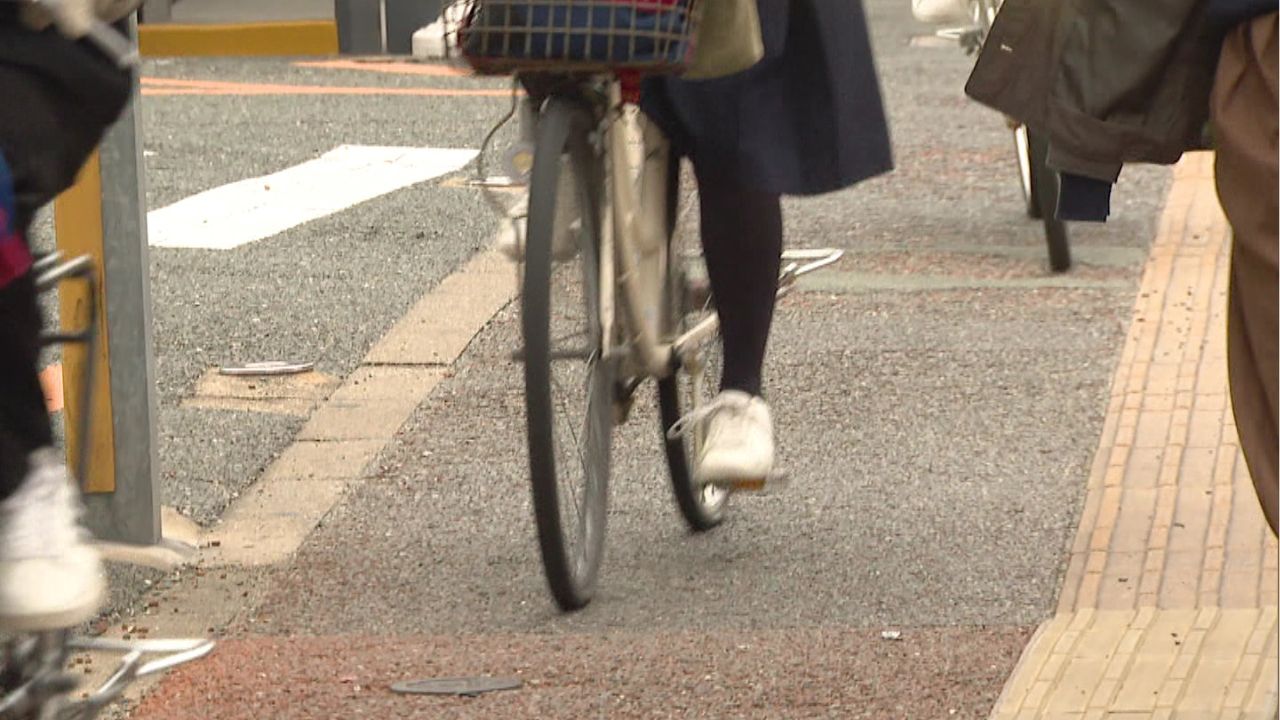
(1044, 188)
(568, 384)
(696, 380)
(1024, 170)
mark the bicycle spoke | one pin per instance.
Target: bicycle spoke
(569, 426)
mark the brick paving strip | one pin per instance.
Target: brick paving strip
(1168, 607)
(361, 416)
(342, 436)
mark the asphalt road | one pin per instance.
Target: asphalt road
(322, 292)
(938, 400)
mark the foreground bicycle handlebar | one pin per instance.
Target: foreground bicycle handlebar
(113, 43)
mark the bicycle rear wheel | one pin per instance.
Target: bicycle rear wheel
(1044, 188)
(695, 381)
(694, 384)
(568, 383)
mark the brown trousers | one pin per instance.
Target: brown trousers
(1245, 128)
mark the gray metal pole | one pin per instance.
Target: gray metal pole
(132, 513)
(360, 26)
(403, 18)
(157, 11)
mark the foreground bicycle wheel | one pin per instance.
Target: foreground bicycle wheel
(695, 381)
(568, 384)
(1044, 188)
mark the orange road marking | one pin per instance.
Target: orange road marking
(166, 86)
(393, 67)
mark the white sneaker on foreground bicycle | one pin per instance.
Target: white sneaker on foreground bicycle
(50, 577)
(737, 451)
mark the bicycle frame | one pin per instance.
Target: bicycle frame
(633, 228)
(971, 37)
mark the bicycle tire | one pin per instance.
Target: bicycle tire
(1023, 150)
(572, 568)
(1045, 186)
(702, 507)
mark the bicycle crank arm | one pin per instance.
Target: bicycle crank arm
(775, 481)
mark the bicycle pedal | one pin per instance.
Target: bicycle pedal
(775, 481)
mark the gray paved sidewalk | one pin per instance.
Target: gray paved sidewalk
(939, 433)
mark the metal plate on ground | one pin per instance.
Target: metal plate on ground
(456, 686)
(271, 367)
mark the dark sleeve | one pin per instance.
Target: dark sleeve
(1229, 13)
(1083, 199)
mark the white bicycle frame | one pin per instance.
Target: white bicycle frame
(634, 250)
(971, 37)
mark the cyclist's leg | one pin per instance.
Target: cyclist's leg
(24, 423)
(60, 97)
(49, 577)
(742, 244)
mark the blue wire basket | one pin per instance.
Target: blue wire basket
(505, 36)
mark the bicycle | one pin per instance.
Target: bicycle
(611, 294)
(1038, 182)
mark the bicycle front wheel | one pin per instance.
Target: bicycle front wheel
(568, 382)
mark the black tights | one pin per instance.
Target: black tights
(24, 422)
(742, 243)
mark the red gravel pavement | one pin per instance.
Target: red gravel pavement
(833, 673)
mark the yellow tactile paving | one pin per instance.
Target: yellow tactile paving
(1168, 607)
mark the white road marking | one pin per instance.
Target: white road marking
(242, 212)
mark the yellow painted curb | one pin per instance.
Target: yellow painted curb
(307, 37)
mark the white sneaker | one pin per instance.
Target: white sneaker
(943, 12)
(512, 228)
(50, 577)
(738, 446)
(509, 240)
